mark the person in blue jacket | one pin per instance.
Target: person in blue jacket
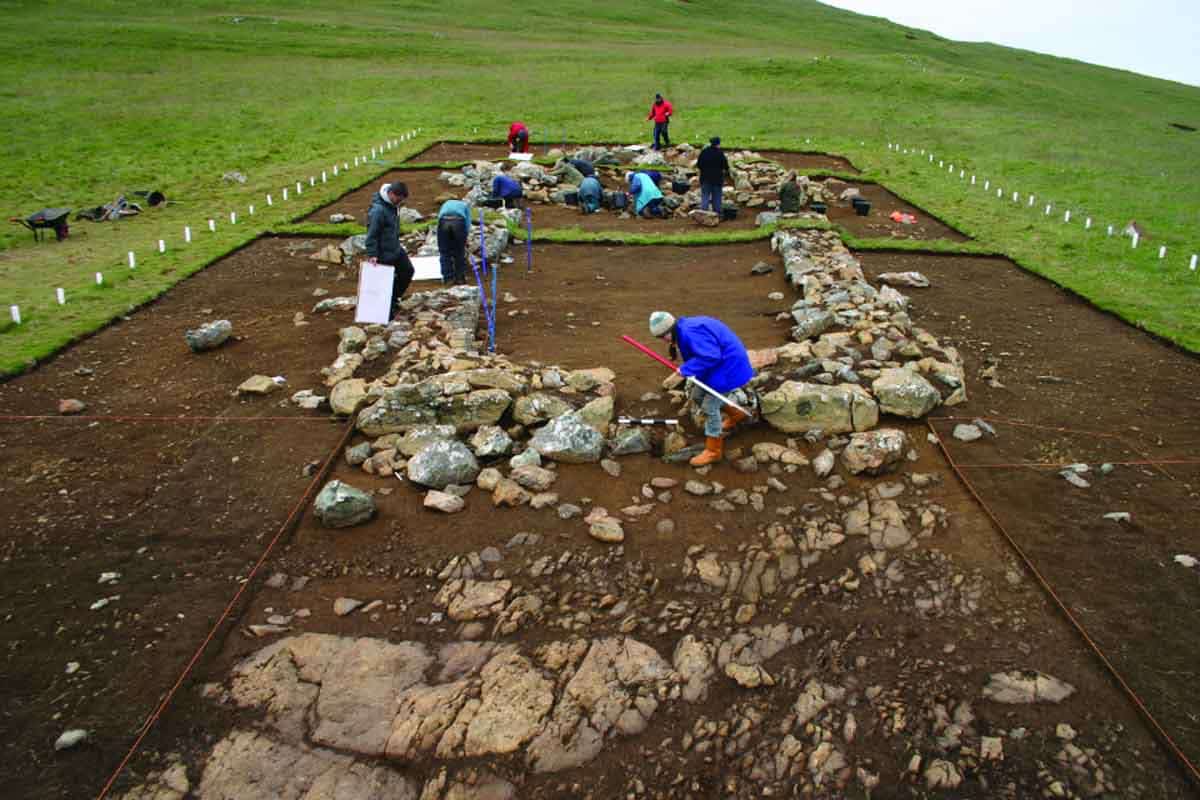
(648, 198)
(508, 190)
(590, 195)
(712, 354)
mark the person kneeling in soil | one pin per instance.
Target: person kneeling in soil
(791, 195)
(573, 170)
(590, 195)
(518, 138)
(453, 226)
(713, 355)
(507, 190)
(383, 238)
(648, 198)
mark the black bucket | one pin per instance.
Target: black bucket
(862, 207)
(729, 212)
(571, 198)
(680, 187)
(816, 206)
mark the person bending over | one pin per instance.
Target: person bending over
(712, 354)
(518, 138)
(453, 227)
(648, 198)
(507, 190)
(591, 194)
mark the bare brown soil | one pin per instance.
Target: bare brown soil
(203, 498)
(878, 222)
(446, 152)
(423, 191)
(809, 162)
(180, 508)
(1064, 365)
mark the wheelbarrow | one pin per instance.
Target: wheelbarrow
(47, 219)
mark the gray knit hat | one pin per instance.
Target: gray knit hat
(660, 323)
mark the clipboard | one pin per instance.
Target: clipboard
(374, 293)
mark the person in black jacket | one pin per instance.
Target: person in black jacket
(383, 237)
(714, 169)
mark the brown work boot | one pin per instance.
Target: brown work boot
(731, 417)
(713, 450)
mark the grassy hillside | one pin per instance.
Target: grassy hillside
(104, 97)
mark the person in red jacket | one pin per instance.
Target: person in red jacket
(660, 112)
(518, 138)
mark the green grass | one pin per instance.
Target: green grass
(104, 97)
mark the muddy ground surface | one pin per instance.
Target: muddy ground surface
(1100, 391)
(203, 498)
(878, 223)
(180, 508)
(809, 162)
(423, 190)
(447, 152)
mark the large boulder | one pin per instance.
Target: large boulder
(417, 439)
(799, 407)
(875, 452)
(491, 441)
(598, 414)
(539, 407)
(585, 380)
(811, 323)
(443, 463)
(407, 405)
(905, 393)
(568, 439)
(208, 336)
(340, 505)
(348, 396)
(494, 379)
(628, 441)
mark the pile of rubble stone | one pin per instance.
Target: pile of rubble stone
(447, 418)
(756, 181)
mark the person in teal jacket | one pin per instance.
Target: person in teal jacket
(648, 198)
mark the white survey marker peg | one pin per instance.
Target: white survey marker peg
(987, 185)
(252, 209)
(269, 200)
(16, 314)
(233, 218)
(132, 260)
(1195, 258)
(99, 279)
(187, 233)
(1162, 251)
(162, 246)
(1067, 217)
(1087, 224)
(285, 193)
(212, 225)
(61, 296)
